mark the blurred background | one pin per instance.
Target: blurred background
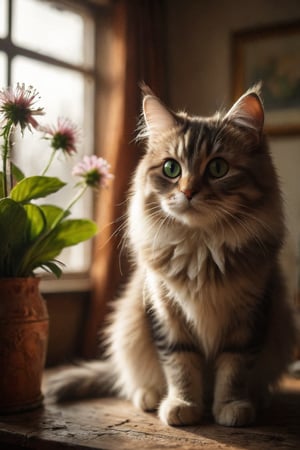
(87, 58)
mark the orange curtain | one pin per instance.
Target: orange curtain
(135, 48)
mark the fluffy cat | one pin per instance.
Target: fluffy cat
(205, 308)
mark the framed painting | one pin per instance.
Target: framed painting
(271, 56)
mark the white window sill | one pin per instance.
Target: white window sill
(72, 283)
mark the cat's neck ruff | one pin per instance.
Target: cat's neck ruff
(178, 247)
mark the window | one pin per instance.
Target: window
(47, 45)
(3, 18)
(3, 68)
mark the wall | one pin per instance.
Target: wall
(199, 75)
(198, 45)
(67, 315)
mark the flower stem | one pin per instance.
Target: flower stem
(77, 197)
(49, 163)
(6, 158)
(72, 202)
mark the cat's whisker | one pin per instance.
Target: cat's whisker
(156, 236)
(240, 213)
(118, 231)
(251, 232)
(262, 225)
(229, 223)
(252, 215)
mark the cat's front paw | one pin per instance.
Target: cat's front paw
(146, 399)
(177, 412)
(235, 414)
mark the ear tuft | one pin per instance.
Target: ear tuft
(158, 118)
(248, 111)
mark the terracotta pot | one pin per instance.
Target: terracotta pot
(23, 344)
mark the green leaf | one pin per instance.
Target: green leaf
(66, 233)
(36, 221)
(13, 221)
(17, 172)
(72, 231)
(35, 187)
(52, 267)
(52, 212)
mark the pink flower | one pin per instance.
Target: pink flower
(94, 171)
(16, 106)
(63, 136)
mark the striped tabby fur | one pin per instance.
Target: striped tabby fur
(206, 303)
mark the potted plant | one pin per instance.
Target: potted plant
(32, 235)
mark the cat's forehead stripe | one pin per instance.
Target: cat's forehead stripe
(187, 137)
(180, 150)
(195, 142)
(206, 141)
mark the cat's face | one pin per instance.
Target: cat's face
(207, 172)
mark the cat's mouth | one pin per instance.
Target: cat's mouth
(193, 212)
(183, 210)
(177, 204)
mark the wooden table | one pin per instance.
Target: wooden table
(115, 424)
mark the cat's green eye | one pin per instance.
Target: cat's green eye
(171, 168)
(218, 168)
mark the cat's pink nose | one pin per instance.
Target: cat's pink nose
(189, 193)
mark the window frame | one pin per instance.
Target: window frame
(71, 281)
(12, 50)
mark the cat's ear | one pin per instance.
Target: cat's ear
(158, 119)
(248, 111)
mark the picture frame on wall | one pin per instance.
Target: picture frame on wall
(270, 55)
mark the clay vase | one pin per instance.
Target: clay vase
(23, 344)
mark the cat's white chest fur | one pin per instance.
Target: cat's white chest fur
(184, 276)
(177, 257)
(198, 298)
(188, 255)
(208, 322)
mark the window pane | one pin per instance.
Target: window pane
(3, 70)
(3, 18)
(61, 90)
(62, 94)
(49, 30)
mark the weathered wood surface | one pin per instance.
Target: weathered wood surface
(113, 424)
